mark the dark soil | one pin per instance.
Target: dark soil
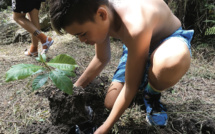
(69, 113)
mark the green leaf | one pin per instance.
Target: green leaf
(63, 62)
(71, 74)
(21, 71)
(41, 58)
(39, 71)
(210, 21)
(61, 81)
(38, 59)
(67, 73)
(63, 58)
(39, 81)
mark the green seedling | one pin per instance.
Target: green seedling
(58, 70)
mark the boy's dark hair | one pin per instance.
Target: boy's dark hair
(65, 12)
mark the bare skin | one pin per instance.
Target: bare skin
(31, 25)
(143, 24)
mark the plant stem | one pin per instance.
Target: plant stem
(44, 63)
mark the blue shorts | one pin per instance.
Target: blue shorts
(119, 75)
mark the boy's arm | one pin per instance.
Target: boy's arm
(99, 61)
(137, 56)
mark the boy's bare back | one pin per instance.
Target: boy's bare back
(137, 15)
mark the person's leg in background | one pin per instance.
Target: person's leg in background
(32, 26)
(34, 19)
(21, 19)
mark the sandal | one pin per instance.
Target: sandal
(46, 45)
(33, 51)
(28, 53)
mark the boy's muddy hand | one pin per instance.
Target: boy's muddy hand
(101, 130)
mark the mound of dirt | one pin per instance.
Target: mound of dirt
(82, 111)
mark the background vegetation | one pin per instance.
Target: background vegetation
(195, 14)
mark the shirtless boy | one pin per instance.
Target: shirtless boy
(148, 29)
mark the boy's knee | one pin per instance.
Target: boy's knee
(110, 99)
(174, 62)
(179, 63)
(18, 17)
(168, 70)
(171, 55)
(108, 104)
(112, 94)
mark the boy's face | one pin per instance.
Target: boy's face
(91, 32)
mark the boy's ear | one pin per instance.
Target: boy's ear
(102, 12)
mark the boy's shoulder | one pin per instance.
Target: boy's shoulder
(146, 8)
(142, 16)
(136, 13)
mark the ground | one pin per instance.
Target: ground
(190, 102)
